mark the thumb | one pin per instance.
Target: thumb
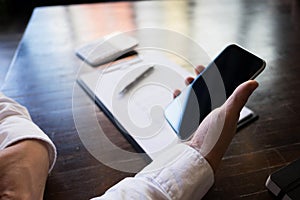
(239, 97)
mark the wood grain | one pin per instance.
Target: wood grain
(43, 75)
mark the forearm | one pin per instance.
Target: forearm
(16, 125)
(26, 153)
(24, 170)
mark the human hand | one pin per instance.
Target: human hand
(189, 80)
(23, 170)
(216, 131)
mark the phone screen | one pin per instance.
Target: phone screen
(233, 66)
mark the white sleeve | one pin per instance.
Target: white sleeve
(180, 173)
(16, 125)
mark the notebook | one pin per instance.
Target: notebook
(139, 113)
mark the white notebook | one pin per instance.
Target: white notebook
(139, 113)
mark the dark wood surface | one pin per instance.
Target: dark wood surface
(43, 74)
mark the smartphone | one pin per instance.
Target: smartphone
(210, 89)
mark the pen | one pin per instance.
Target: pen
(138, 79)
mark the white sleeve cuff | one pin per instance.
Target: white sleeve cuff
(181, 172)
(178, 173)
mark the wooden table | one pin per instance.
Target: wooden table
(43, 74)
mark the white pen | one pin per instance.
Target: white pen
(138, 79)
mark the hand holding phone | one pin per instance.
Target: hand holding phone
(211, 88)
(214, 134)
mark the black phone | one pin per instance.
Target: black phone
(210, 89)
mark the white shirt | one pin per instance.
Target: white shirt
(180, 173)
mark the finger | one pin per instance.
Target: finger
(189, 80)
(176, 93)
(238, 99)
(199, 69)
